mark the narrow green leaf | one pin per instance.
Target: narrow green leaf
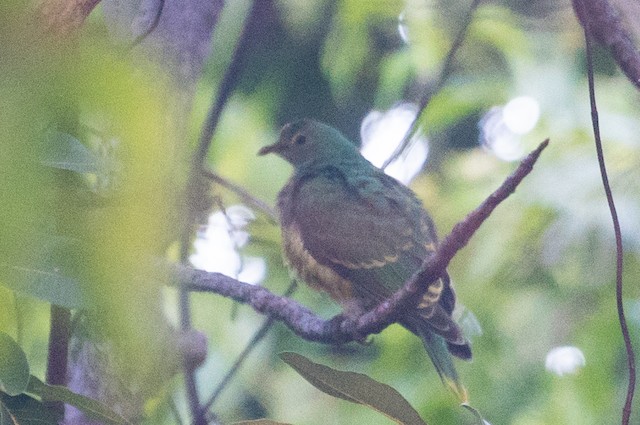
(65, 152)
(37, 273)
(480, 420)
(25, 410)
(5, 416)
(44, 282)
(14, 368)
(355, 387)
(259, 422)
(92, 408)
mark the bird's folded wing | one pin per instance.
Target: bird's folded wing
(371, 231)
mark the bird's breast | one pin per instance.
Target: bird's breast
(316, 275)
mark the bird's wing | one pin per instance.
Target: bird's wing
(372, 231)
(368, 228)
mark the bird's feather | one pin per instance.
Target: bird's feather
(358, 234)
(373, 233)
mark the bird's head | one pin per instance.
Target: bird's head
(307, 141)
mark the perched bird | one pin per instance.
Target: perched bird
(358, 234)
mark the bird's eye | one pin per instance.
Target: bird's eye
(300, 139)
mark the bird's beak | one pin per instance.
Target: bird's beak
(277, 147)
(268, 149)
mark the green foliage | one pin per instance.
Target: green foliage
(16, 407)
(24, 410)
(14, 369)
(38, 276)
(92, 408)
(92, 170)
(65, 152)
(356, 388)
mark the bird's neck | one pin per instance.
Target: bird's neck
(348, 164)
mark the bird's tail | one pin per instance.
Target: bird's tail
(439, 352)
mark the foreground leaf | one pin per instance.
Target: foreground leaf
(92, 408)
(14, 368)
(355, 387)
(44, 282)
(476, 414)
(65, 152)
(259, 422)
(25, 410)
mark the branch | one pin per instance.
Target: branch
(58, 352)
(631, 362)
(601, 21)
(154, 24)
(444, 75)
(306, 324)
(61, 18)
(228, 83)
(257, 337)
(193, 193)
(246, 197)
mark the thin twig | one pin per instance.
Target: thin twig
(231, 76)
(19, 318)
(154, 24)
(444, 75)
(174, 409)
(243, 194)
(257, 337)
(626, 410)
(313, 328)
(192, 191)
(57, 356)
(185, 325)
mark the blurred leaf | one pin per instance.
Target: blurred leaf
(25, 410)
(355, 387)
(259, 422)
(476, 414)
(42, 281)
(65, 152)
(468, 96)
(5, 416)
(14, 368)
(92, 408)
(468, 321)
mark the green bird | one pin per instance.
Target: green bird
(358, 234)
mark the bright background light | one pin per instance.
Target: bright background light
(564, 360)
(501, 127)
(521, 114)
(216, 247)
(382, 133)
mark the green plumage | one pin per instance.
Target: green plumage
(358, 234)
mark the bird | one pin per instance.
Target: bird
(354, 232)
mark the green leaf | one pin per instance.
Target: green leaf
(65, 152)
(14, 368)
(25, 410)
(43, 281)
(479, 419)
(5, 415)
(92, 408)
(37, 273)
(355, 387)
(260, 422)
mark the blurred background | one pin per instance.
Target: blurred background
(537, 282)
